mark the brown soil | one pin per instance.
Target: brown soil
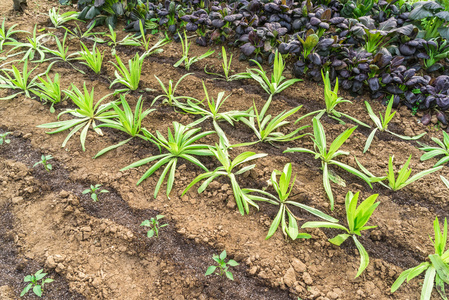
(97, 250)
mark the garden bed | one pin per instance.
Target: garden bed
(97, 250)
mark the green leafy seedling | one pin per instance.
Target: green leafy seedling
(50, 91)
(403, 177)
(404, 173)
(129, 77)
(443, 149)
(58, 19)
(85, 115)
(382, 124)
(185, 54)
(126, 122)
(154, 226)
(156, 48)
(277, 82)
(327, 157)
(44, 161)
(33, 47)
(223, 266)
(212, 111)
(169, 92)
(331, 101)
(226, 169)
(437, 269)
(3, 138)
(38, 288)
(226, 64)
(15, 80)
(128, 40)
(180, 144)
(266, 127)
(357, 218)
(93, 59)
(283, 188)
(94, 190)
(6, 34)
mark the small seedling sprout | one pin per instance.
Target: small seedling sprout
(94, 190)
(222, 267)
(44, 161)
(154, 226)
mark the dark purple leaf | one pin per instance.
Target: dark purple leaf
(407, 50)
(395, 90)
(425, 120)
(373, 84)
(247, 49)
(441, 103)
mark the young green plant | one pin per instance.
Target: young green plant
(33, 46)
(61, 53)
(6, 34)
(44, 161)
(283, 189)
(211, 111)
(403, 179)
(437, 270)
(180, 144)
(49, 91)
(226, 64)
(277, 82)
(266, 127)
(331, 100)
(86, 115)
(88, 34)
(38, 288)
(156, 48)
(128, 40)
(328, 157)
(126, 122)
(94, 190)
(404, 173)
(443, 149)
(154, 226)
(93, 59)
(3, 138)
(227, 169)
(18, 81)
(129, 77)
(185, 54)
(382, 124)
(169, 96)
(357, 218)
(58, 19)
(223, 266)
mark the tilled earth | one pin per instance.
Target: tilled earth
(97, 250)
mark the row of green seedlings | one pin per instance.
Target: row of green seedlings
(246, 197)
(129, 77)
(131, 80)
(326, 157)
(382, 127)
